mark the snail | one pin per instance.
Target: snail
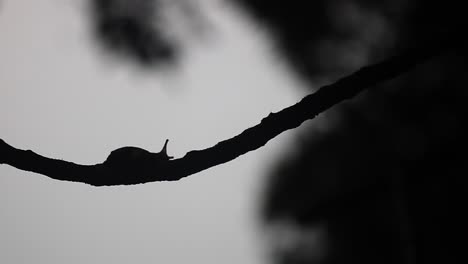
(134, 157)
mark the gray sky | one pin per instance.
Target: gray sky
(61, 98)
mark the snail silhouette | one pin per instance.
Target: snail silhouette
(134, 157)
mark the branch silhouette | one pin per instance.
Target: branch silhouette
(136, 166)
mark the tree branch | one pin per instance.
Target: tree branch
(131, 172)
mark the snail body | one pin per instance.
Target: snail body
(134, 156)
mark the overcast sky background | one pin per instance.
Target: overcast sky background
(62, 98)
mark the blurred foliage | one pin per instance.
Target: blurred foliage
(133, 29)
(386, 176)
